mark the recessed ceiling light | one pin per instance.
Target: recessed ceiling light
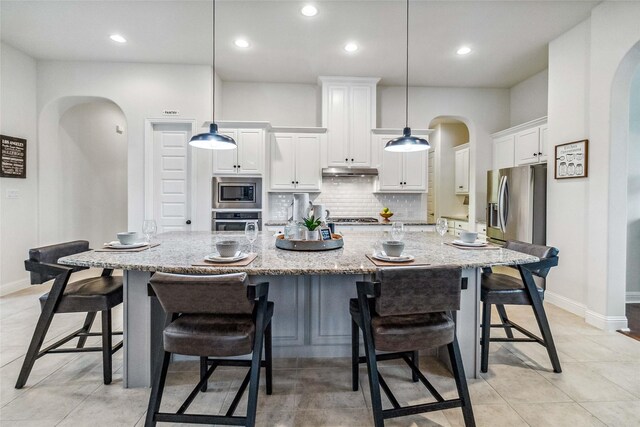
(241, 43)
(309, 10)
(464, 50)
(351, 47)
(117, 38)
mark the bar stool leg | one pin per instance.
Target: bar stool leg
(504, 320)
(545, 330)
(203, 372)
(88, 322)
(156, 391)
(106, 346)
(415, 360)
(355, 355)
(461, 383)
(486, 336)
(268, 359)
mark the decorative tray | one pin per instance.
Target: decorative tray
(336, 242)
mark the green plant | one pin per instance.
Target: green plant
(311, 223)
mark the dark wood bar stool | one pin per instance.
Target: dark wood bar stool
(407, 309)
(503, 289)
(213, 316)
(91, 295)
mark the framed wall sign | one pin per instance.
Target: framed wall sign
(572, 160)
(13, 157)
(325, 234)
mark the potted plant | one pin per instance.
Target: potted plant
(312, 224)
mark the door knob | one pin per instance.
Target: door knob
(188, 222)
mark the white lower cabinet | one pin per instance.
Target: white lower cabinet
(294, 162)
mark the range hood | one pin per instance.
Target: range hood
(345, 171)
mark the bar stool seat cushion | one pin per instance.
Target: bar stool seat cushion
(216, 335)
(408, 332)
(504, 289)
(88, 295)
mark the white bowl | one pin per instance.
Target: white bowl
(393, 247)
(468, 236)
(128, 237)
(227, 248)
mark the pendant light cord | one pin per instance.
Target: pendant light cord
(406, 92)
(213, 50)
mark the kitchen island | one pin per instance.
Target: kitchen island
(310, 290)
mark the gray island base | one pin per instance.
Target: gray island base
(311, 290)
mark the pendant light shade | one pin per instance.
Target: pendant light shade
(406, 142)
(212, 140)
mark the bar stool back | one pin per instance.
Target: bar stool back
(213, 316)
(406, 309)
(502, 289)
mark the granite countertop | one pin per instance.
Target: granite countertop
(179, 250)
(404, 221)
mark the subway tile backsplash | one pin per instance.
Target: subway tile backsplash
(354, 197)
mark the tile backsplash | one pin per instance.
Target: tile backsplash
(354, 197)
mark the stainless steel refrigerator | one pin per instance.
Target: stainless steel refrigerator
(517, 204)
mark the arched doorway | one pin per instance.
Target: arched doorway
(83, 170)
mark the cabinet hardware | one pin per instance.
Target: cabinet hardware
(535, 154)
(352, 160)
(346, 160)
(238, 166)
(297, 182)
(539, 153)
(188, 222)
(293, 182)
(234, 166)
(459, 186)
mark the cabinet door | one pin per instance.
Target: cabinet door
(390, 174)
(225, 161)
(415, 171)
(503, 152)
(360, 126)
(307, 164)
(250, 151)
(527, 146)
(282, 174)
(461, 171)
(544, 149)
(337, 125)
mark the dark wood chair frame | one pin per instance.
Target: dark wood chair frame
(62, 275)
(530, 288)
(208, 365)
(376, 381)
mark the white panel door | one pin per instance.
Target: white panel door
(308, 171)
(415, 171)
(390, 173)
(337, 125)
(282, 169)
(527, 146)
(171, 202)
(361, 125)
(225, 161)
(503, 152)
(250, 151)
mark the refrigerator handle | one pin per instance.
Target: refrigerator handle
(500, 204)
(505, 203)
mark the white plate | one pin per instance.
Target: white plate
(217, 258)
(475, 244)
(385, 257)
(117, 245)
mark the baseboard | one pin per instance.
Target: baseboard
(565, 303)
(633, 297)
(7, 288)
(607, 323)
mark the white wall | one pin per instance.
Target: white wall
(18, 217)
(280, 104)
(529, 98)
(141, 91)
(633, 191)
(94, 194)
(567, 199)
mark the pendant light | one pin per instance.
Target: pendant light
(212, 140)
(406, 142)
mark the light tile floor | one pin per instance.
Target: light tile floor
(600, 383)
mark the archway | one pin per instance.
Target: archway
(83, 170)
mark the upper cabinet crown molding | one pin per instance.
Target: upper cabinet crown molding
(349, 114)
(524, 126)
(300, 129)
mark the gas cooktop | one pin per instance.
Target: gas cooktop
(354, 219)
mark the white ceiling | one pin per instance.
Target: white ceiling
(509, 38)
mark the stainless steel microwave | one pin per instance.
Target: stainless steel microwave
(236, 193)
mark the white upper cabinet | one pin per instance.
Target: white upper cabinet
(349, 114)
(462, 169)
(246, 159)
(295, 162)
(400, 172)
(524, 144)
